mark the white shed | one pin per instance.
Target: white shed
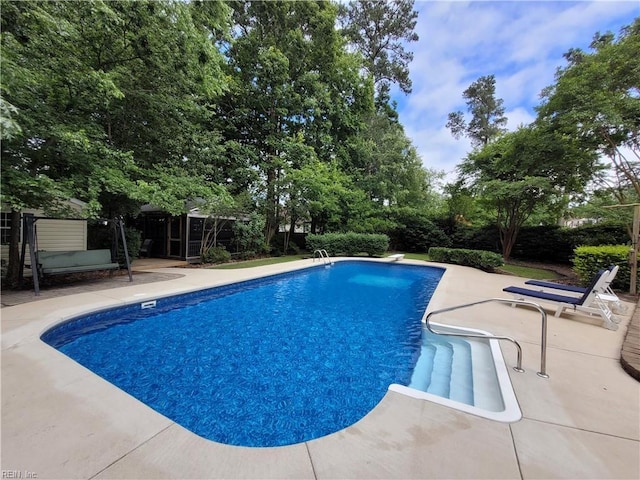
(53, 234)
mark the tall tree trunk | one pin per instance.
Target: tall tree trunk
(508, 237)
(287, 234)
(271, 222)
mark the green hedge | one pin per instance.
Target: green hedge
(546, 243)
(216, 255)
(588, 260)
(476, 238)
(99, 236)
(418, 236)
(349, 244)
(487, 261)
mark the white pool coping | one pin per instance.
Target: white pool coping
(511, 411)
(60, 420)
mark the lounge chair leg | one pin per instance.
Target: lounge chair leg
(609, 320)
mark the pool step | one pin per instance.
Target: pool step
(485, 379)
(421, 377)
(441, 371)
(445, 368)
(461, 380)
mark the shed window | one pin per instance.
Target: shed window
(5, 228)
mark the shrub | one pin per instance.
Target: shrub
(588, 260)
(476, 238)
(349, 243)
(545, 243)
(600, 234)
(419, 237)
(101, 236)
(550, 243)
(216, 255)
(487, 261)
(249, 236)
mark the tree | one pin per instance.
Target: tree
(219, 210)
(111, 100)
(487, 113)
(293, 86)
(531, 168)
(379, 30)
(386, 166)
(596, 99)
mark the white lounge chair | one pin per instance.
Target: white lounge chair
(589, 303)
(606, 294)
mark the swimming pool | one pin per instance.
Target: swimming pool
(267, 362)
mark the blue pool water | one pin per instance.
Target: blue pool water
(267, 362)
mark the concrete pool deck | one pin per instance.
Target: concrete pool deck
(59, 420)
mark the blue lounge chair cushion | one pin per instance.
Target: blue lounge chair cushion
(571, 288)
(554, 297)
(542, 295)
(556, 286)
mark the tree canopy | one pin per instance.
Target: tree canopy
(122, 103)
(379, 29)
(528, 169)
(487, 113)
(596, 100)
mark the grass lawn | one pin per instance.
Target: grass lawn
(260, 262)
(530, 272)
(517, 270)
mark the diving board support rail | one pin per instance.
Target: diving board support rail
(518, 368)
(322, 253)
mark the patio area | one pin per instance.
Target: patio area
(59, 420)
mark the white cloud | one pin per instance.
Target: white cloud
(521, 43)
(518, 117)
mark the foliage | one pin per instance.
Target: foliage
(349, 244)
(416, 233)
(598, 207)
(385, 165)
(588, 260)
(218, 209)
(108, 236)
(176, 103)
(475, 238)
(487, 113)
(461, 206)
(111, 104)
(611, 233)
(596, 101)
(545, 243)
(216, 255)
(104, 92)
(559, 242)
(380, 30)
(525, 170)
(249, 235)
(286, 61)
(487, 261)
(9, 127)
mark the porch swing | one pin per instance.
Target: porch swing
(74, 261)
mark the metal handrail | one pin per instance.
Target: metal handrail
(323, 255)
(543, 344)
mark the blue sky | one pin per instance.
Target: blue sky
(520, 42)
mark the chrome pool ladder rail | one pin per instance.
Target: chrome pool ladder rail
(543, 343)
(322, 254)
